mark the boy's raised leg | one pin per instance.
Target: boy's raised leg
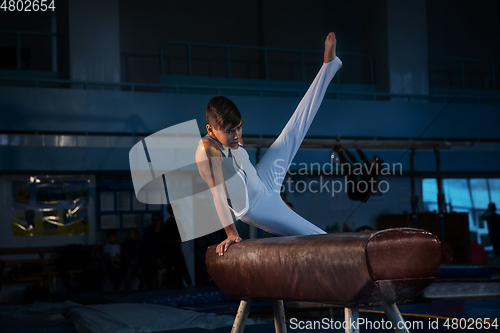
(274, 164)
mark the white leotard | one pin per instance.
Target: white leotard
(266, 209)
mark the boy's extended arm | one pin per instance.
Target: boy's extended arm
(209, 161)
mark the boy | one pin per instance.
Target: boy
(265, 209)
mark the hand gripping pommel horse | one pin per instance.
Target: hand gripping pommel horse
(348, 269)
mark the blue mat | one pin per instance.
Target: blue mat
(476, 309)
(198, 299)
(37, 324)
(179, 297)
(454, 308)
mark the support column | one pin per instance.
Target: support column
(407, 47)
(94, 40)
(414, 197)
(440, 196)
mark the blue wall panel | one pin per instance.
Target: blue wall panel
(78, 110)
(63, 110)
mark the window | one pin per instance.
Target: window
(469, 195)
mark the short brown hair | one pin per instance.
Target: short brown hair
(222, 111)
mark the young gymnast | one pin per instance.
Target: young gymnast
(265, 208)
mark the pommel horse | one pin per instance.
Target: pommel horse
(348, 269)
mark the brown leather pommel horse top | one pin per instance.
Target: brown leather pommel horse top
(350, 269)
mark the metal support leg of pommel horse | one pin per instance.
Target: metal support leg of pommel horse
(242, 316)
(392, 312)
(279, 316)
(244, 310)
(351, 316)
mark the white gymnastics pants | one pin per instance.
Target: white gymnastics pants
(268, 211)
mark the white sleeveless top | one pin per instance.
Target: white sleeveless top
(248, 178)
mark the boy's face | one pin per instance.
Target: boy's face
(228, 136)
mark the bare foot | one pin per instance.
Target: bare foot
(330, 46)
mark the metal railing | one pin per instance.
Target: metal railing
(19, 33)
(456, 73)
(223, 90)
(264, 62)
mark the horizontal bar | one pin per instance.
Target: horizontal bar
(461, 59)
(258, 91)
(262, 48)
(366, 144)
(89, 139)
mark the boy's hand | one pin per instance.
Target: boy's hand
(222, 247)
